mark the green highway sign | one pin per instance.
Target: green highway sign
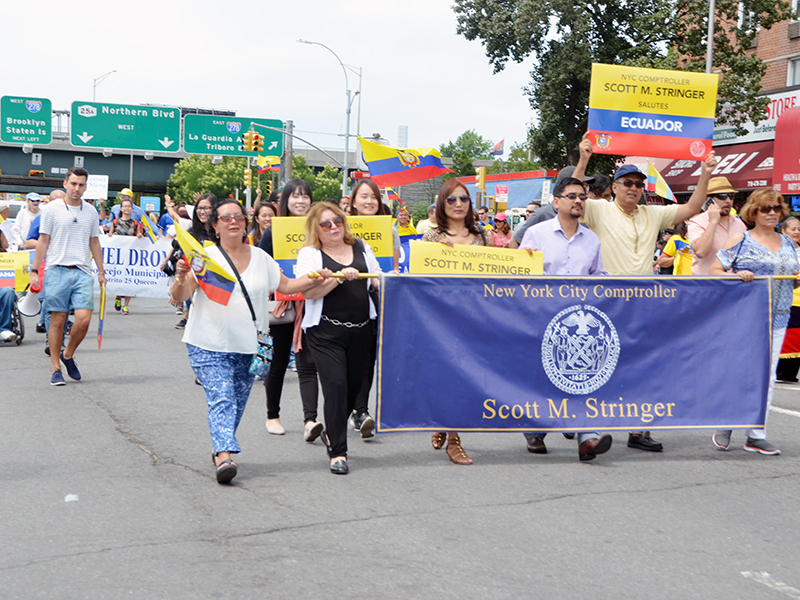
(26, 120)
(125, 126)
(214, 134)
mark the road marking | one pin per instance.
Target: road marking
(769, 581)
(785, 411)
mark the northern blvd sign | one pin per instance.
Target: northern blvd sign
(126, 126)
(213, 134)
(26, 120)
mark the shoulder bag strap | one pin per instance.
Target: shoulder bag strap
(241, 284)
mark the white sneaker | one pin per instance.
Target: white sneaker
(8, 336)
(312, 431)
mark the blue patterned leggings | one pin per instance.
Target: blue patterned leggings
(226, 382)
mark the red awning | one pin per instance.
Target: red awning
(747, 166)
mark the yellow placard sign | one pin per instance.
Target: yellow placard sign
(19, 262)
(289, 235)
(428, 258)
(638, 90)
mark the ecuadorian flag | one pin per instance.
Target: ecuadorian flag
(212, 278)
(265, 163)
(657, 184)
(149, 228)
(400, 166)
(392, 195)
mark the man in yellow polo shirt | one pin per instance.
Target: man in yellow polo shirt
(628, 231)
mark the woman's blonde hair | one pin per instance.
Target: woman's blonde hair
(762, 197)
(313, 219)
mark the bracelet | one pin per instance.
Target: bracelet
(179, 282)
(312, 282)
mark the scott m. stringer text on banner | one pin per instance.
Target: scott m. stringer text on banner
(571, 353)
(472, 260)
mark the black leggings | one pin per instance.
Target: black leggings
(306, 373)
(341, 355)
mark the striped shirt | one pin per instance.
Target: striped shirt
(70, 229)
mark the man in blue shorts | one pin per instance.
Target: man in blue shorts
(68, 240)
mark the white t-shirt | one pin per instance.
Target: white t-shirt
(230, 328)
(70, 228)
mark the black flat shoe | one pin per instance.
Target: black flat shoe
(340, 468)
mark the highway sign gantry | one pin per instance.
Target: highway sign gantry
(26, 120)
(214, 134)
(125, 126)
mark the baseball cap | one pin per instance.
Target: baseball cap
(628, 170)
(567, 172)
(33, 197)
(500, 217)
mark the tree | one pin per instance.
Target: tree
(328, 184)
(565, 36)
(467, 147)
(520, 158)
(196, 174)
(301, 170)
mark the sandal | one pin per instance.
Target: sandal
(437, 440)
(455, 451)
(226, 470)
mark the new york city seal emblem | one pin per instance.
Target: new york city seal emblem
(580, 349)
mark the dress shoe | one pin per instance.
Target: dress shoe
(455, 451)
(274, 427)
(569, 436)
(643, 441)
(340, 467)
(591, 448)
(536, 445)
(312, 431)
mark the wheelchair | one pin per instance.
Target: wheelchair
(17, 323)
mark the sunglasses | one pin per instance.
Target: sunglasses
(724, 196)
(765, 210)
(573, 196)
(630, 183)
(227, 218)
(326, 225)
(530, 212)
(464, 198)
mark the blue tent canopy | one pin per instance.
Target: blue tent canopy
(520, 191)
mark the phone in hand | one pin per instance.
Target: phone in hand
(707, 203)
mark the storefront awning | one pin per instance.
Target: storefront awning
(747, 166)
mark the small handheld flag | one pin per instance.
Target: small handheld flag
(149, 228)
(102, 317)
(657, 184)
(211, 277)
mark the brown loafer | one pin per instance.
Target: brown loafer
(536, 445)
(591, 448)
(455, 451)
(437, 440)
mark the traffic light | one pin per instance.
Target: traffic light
(480, 178)
(248, 178)
(268, 187)
(258, 142)
(249, 140)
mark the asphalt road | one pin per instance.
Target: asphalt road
(131, 443)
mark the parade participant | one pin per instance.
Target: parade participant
(295, 202)
(628, 231)
(7, 301)
(485, 220)
(529, 210)
(338, 319)
(600, 188)
(219, 341)
(366, 201)
(569, 249)
(67, 243)
(762, 251)
(404, 224)
(126, 194)
(27, 214)
(710, 230)
(262, 220)
(502, 231)
(455, 225)
(428, 223)
(676, 256)
(125, 226)
(789, 362)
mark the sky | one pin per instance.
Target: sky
(243, 55)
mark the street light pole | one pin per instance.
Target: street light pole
(349, 106)
(710, 41)
(98, 81)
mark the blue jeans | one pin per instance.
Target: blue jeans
(7, 300)
(227, 383)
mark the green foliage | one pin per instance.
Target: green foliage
(518, 160)
(301, 170)
(565, 36)
(328, 184)
(467, 147)
(196, 174)
(419, 213)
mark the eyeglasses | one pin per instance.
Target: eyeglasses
(765, 210)
(631, 182)
(203, 209)
(326, 225)
(227, 218)
(464, 199)
(723, 196)
(573, 196)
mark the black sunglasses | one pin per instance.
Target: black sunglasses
(630, 183)
(724, 196)
(765, 210)
(464, 198)
(326, 225)
(573, 195)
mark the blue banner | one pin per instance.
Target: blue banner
(572, 354)
(405, 252)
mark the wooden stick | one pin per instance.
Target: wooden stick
(314, 275)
